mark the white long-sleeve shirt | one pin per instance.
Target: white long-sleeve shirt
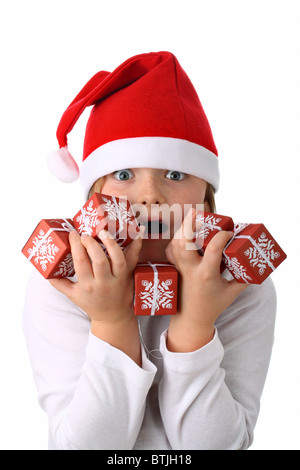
(96, 397)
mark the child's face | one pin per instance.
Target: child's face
(152, 192)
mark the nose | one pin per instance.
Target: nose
(145, 203)
(151, 192)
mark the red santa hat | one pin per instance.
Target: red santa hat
(146, 113)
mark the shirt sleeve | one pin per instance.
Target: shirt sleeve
(94, 394)
(210, 398)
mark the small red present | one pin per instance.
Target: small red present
(109, 213)
(252, 254)
(211, 225)
(155, 289)
(48, 248)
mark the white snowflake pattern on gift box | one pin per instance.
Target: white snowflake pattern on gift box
(237, 269)
(43, 251)
(117, 210)
(164, 295)
(265, 253)
(66, 267)
(210, 223)
(87, 219)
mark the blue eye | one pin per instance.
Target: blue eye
(175, 175)
(123, 175)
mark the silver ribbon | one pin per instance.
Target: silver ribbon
(155, 282)
(155, 286)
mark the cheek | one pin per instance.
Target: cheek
(105, 188)
(109, 188)
(189, 197)
(197, 194)
(112, 189)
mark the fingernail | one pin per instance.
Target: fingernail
(103, 234)
(199, 225)
(190, 212)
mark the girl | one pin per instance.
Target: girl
(110, 380)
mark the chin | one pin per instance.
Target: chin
(154, 251)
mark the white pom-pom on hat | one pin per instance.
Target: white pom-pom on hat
(63, 166)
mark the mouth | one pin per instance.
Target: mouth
(154, 228)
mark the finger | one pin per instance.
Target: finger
(115, 253)
(213, 254)
(132, 252)
(100, 265)
(183, 245)
(189, 223)
(82, 264)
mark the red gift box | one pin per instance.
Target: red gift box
(48, 248)
(155, 289)
(211, 225)
(109, 213)
(252, 254)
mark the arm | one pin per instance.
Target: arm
(206, 297)
(93, 392)
(105, 289)
(216, 388)
(216, 399)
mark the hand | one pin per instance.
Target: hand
(104, 289)
(204, 293)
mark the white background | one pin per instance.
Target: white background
(243, 58)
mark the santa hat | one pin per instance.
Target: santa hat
(146, 113)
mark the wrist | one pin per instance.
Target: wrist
(188, 336)
(122, 334)
(113, 327)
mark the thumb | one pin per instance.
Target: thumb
(132, 252)
(213, 254)
(169, 254)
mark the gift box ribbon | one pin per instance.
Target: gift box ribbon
(155, 286)
(66, 227)
(155, 283)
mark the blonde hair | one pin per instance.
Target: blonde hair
(97, 186)
(209, 195)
